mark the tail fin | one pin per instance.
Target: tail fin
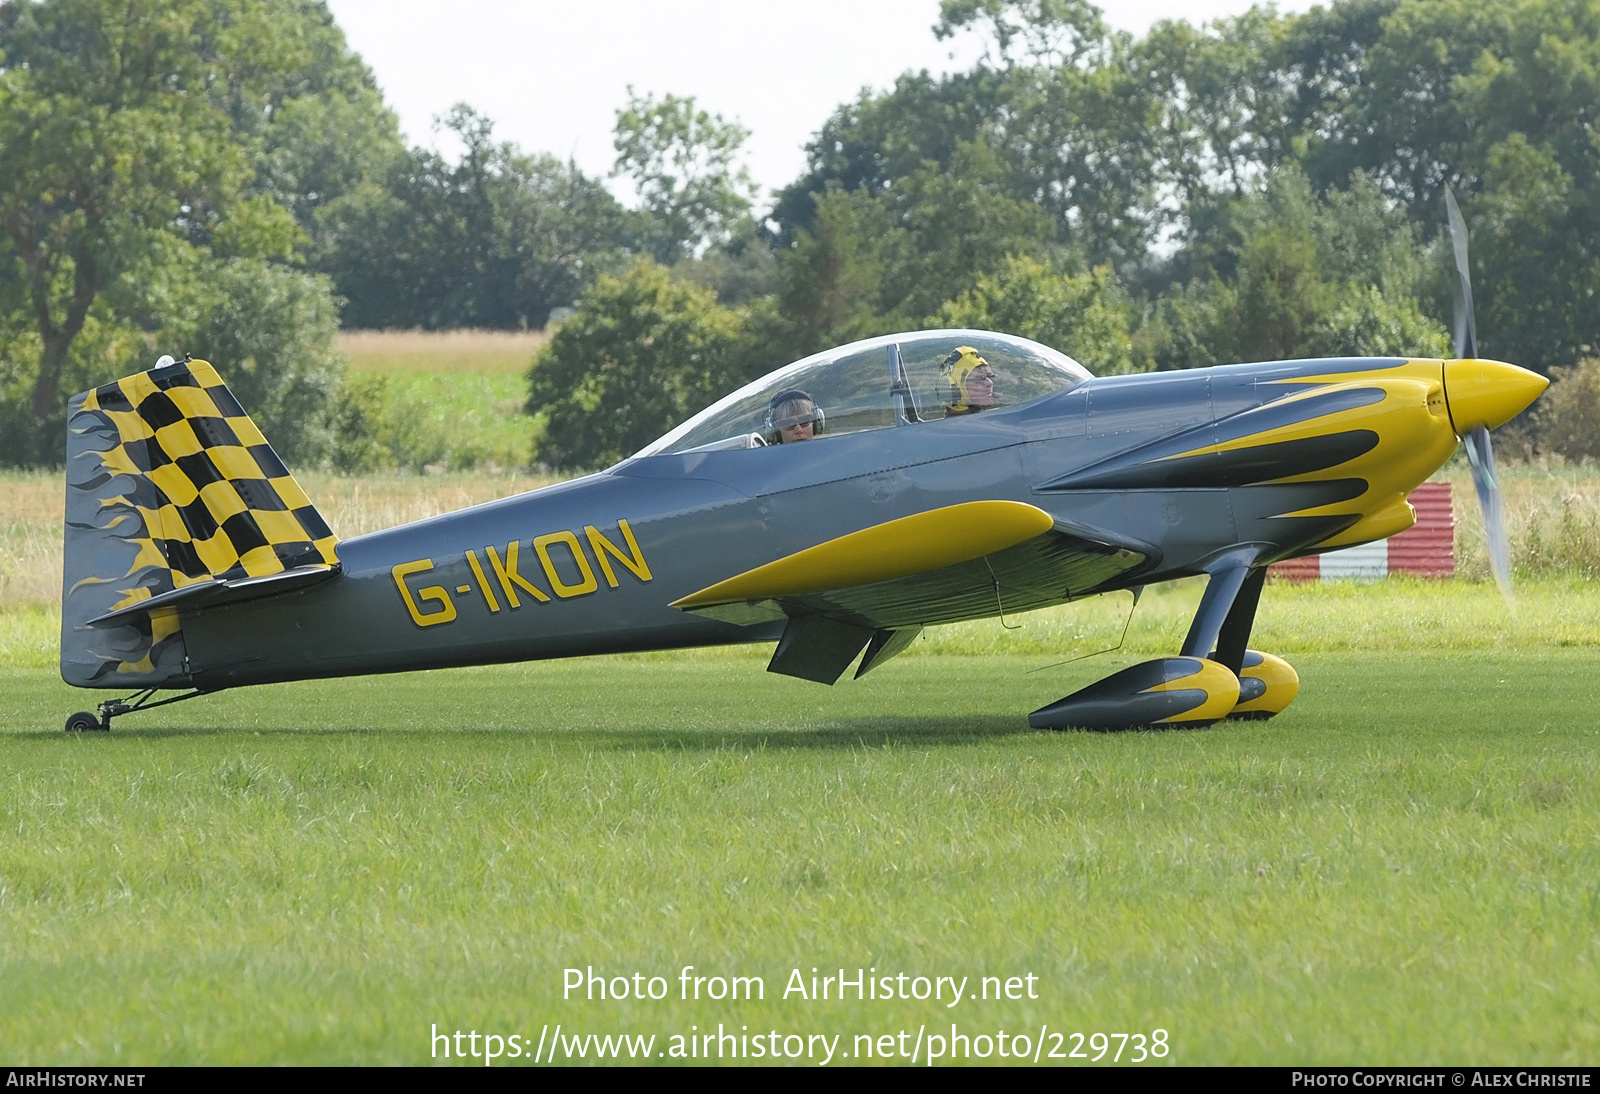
(175, 502)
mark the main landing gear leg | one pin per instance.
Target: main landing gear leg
(1234, 636)
(84, 722)
(1267, 683)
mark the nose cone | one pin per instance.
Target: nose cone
(1488, 393)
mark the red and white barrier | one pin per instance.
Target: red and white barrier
(1426, 549)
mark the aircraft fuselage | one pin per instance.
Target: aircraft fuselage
(1285, 457)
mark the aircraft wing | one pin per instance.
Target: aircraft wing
(878, 587)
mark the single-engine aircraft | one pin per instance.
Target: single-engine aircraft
(837, 507)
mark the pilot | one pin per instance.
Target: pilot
(971, 382)
(792, 416)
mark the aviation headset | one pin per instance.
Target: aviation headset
(776, 421)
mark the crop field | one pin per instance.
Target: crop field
(1403, 867)
(458, 352)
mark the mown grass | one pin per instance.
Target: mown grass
(1401, 868)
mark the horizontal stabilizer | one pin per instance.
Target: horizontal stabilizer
(211, 594)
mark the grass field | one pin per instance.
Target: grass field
(1404, 867)
(453, 399)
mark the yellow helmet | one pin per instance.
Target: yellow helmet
(957, 366)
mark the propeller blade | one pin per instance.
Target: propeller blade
(1466, 326)
(1480, 454)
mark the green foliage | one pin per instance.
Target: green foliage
(360, 425)
(1301, 276)
(1377, 103)
(872, 264)
(112, 160)
(143, 173)
(642, 353)
(1567, 415)
(1536, 256)
(1219, 104)
(1042, 32)
(1266, 185)
(681, 160)
(270, 330)
(1085, 315)
(456, 421)
(1071, 140)
(742, 271)
(495, 240)
(869, 143)
(1491, 98)
(430, 423)
(311, 114)
(831, 279)
(1366, 323)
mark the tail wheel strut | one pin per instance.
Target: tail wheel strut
(84, 722)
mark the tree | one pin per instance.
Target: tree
(1047, 33)
(876, 263)
(129, 134)
(495, 240)
(1301, 277)
(273, 328)
(1084, 315)
(113, 155)
(830, 282)
(1072, 139)
(1567, 417)
(869, 143)
(311, 115)
(681, 161)
(951, 226)
(1536, 215)
(641, 354)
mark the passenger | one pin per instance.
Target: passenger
(971, 382)
(793, 416)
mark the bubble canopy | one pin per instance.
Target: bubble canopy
(895, 380)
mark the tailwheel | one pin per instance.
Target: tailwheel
(1169, 692)
(1267, 684)
(84, 722)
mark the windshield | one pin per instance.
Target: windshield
(898, 379)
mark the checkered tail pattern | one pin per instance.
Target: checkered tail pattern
(170, 486)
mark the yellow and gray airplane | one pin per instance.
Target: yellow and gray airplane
(836, 507)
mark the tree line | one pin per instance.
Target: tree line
(222, 176)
